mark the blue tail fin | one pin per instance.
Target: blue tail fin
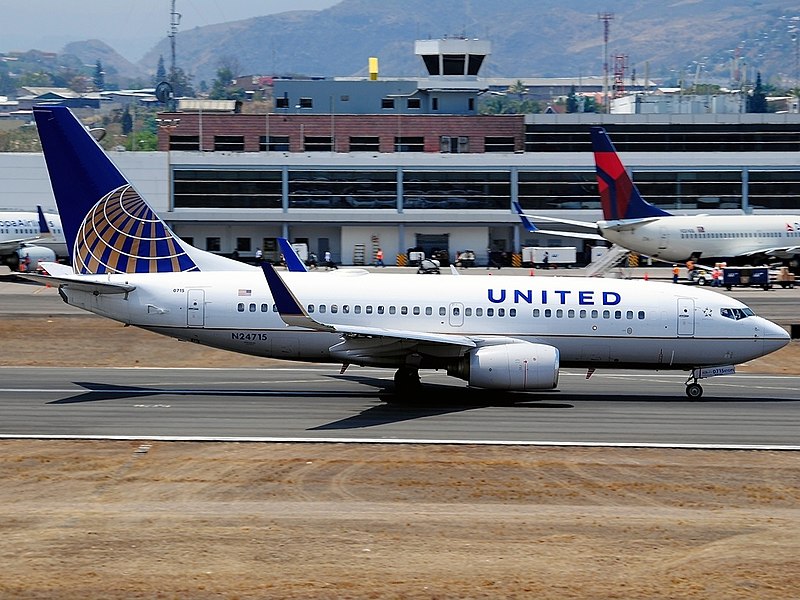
(44, 228)
(618, 194)
(293, 262)
(109, 228)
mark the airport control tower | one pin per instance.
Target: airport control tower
(453, 57)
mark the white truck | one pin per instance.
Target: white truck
(559, 256)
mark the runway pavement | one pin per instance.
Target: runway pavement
(315, 403)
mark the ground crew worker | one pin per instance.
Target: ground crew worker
(676, 271)
(379, 258)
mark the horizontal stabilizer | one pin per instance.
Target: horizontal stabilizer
(79, 283)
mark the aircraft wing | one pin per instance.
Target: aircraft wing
(293, 313)
(8, 246)
(528, 224)
(786, 250)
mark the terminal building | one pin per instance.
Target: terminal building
(351, 165)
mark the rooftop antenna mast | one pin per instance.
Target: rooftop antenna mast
(606, 18)
(174, 21)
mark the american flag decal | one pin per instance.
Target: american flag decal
(245, 292)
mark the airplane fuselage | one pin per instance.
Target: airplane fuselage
(22, 225)
(592, 322)
(723, 237)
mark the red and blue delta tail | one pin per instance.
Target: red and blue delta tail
(109, 228)
(618, 194)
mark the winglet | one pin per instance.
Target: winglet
(618, 195)
(289, 307)
(44, 228)
(293, 262)
(526, 223)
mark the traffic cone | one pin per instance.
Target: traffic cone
(531, 273)
(646, 277)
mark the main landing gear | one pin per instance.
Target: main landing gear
(406, 380)
(693, 389)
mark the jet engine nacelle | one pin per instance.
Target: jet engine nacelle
(519, 367)
(37, 254)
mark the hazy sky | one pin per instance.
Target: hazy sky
(131, 27)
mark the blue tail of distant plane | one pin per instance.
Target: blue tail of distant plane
(108, 226)
(293, 262)
(618, 194)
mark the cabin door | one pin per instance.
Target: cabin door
(663, 238)
(456, 314)
(195, 308)
(685, 317)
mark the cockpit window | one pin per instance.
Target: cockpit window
(736, 313)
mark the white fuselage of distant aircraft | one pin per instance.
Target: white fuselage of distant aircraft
(21, 234)
(678, 237)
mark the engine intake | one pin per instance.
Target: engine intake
(520, 366)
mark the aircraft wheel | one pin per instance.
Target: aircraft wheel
(406, 380)
(694, 390)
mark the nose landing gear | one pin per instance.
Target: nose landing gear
(693, 389)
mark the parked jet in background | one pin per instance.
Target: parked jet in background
(631, 222)
(499, 332)
(35, 235)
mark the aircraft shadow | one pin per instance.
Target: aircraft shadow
(432, 400)
(98, 392)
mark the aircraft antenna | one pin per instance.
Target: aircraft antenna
(606, 18)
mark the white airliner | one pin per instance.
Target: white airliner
(37, 235)
(502, 333)
(631, 222)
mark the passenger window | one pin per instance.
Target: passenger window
(559, 313)
(368, 309)
(346, 309)
(467, 312)
(403, 310)
(240, 307)
(442, 311)
(548, 312)
(617, 314)
(478, 312)
(501, 312)
(641, 315)
(595, 314)
(571, 313)
(536, 312)
(310, 308)
(416, 310)
(334, 308)
(380, 310)
(357, 309)
(456, 311)
(606, 314)
(428, 311)
(274, 308)
(392, 310)
(629, 315)
(264, 308)
(512, 312)
(489, 312)
(322, 308)
(252, 307)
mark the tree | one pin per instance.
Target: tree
(161, 72)
(757, 100)
(99, 78)
(127, 121)
(573, 105)
(181, 83)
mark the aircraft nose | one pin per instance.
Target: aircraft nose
(775, 337)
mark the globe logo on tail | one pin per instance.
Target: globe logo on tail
(122, 234)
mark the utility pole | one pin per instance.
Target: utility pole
(606, 18)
